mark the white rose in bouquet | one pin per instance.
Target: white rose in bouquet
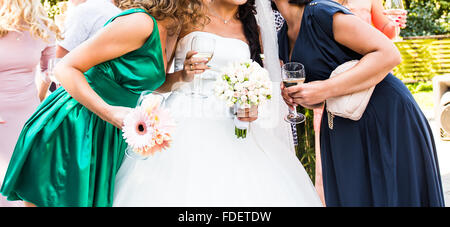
(243, 84)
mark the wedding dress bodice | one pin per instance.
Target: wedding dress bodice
(226, 50)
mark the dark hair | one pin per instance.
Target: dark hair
(274, 6)
(300, 2)
(246, 14)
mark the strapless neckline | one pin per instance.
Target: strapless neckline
(213, 34)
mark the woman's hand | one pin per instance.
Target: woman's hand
(116, 115)
(248, 114)
(192, 66)
(309, 95)
(287, 99)
(398, 16)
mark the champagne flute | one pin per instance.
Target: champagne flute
(394, 7)
(204, 46)
(51, 68)
(293, 73)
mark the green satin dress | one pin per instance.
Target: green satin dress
(66, 155)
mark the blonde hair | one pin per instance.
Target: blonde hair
(190, 13)
(27, 15)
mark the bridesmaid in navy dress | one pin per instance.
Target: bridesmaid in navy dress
(388, 157)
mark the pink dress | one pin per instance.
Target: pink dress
(20, 54)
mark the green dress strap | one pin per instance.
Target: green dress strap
(147, 71)
(130, 11)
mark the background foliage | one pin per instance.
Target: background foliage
(305, 150)
(51, 6)
(427, 17)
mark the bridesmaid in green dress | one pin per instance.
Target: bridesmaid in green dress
(69, 151)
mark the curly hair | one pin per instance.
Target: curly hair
(246, 14)
(190, 13)
(27, 15)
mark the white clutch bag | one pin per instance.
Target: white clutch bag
(350, 106)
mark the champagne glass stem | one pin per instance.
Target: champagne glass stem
(197, 84)
(294, 111)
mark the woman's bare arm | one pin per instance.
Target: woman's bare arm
(381, 21)
(380, 57)
(123, 35)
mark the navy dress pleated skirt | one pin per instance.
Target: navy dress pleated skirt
(388, 157)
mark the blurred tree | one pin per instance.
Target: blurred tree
(429, 17)
(51, 2)
(51, 6)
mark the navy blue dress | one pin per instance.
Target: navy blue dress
(388, 157)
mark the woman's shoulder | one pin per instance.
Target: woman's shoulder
(134, 15)
(322, 12)
(134, 22)
(326, 8)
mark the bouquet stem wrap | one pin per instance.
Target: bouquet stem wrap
(241, 127)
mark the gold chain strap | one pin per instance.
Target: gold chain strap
(330, 120)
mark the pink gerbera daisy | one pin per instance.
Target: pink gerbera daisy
(159, 143)
(163, 121)
(137, 129)
(151, 104)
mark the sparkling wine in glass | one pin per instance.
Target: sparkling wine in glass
(51, 70)
(394, 7)
(204, 55)
(293, 74)
(204, 46)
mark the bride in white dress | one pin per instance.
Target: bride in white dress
(206, 164)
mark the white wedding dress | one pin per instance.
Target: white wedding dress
(206, 164)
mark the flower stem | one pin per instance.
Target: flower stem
(240, 133)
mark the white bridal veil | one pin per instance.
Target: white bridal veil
(271, 120)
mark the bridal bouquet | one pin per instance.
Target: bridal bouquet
(243, 84)
(147, 128)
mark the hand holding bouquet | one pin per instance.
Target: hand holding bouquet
(147, 129)
(243, 85)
